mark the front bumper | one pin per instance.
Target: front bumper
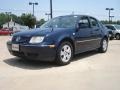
(34, 52)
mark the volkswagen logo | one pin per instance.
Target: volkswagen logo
(18, 39)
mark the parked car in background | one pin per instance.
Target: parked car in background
(110, 32)
(6, 32)
(60, 39)
(114, 30)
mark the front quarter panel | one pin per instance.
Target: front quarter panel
(57, 36)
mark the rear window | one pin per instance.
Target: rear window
(94, 22)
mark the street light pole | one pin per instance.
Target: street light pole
(31, 3)
(9, 14)
(51, 9)
(33, 9)
(109, 15)
(110, 9)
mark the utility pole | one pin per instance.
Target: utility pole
(110, 9)
(32, 3)
(51, 9)
(111, 17)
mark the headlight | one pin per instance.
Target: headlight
(10, 38)
(36, 39)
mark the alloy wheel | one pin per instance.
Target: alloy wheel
(117, 36)
(65, 53)
(105, 45)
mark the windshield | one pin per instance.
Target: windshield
(61, 22)
(117, 27)
(110, 27)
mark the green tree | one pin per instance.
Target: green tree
(4, 18)
(113, 22)
(28, 20)
(40, 22)
(118, 22)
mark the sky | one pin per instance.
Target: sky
(94, 8)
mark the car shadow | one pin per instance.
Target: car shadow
(37, 65)
(85, 55)
(29, 64)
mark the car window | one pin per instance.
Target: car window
(94, 22)
(110, 27)
(84, 22)
(61, 22)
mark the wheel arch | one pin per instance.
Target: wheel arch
(106, 37)
(117, 34)
(67, 39)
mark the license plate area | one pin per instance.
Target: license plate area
(15, 47)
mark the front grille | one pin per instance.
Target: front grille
(32, 55)
(21, 39)
(19, 54)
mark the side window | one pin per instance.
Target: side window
(84, 22)
(94, 22)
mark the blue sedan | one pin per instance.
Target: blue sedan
(60, 39)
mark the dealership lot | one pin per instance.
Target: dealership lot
(88, 71)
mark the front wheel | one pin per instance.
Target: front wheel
(104, 46)
(64, 53)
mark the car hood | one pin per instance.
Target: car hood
(34, 32)
(40, 32)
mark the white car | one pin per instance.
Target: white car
(116, 30)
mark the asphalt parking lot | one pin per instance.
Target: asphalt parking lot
(88, 71)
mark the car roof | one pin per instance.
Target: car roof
(78, 16)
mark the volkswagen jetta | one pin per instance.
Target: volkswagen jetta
(60, 39)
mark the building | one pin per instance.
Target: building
(14, 26)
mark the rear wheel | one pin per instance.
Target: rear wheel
(64, 53)
(117, 36)
(104, 46)
(111, 38)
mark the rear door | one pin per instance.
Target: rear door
(96, 33)
(83, 35)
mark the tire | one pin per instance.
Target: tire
(104, 46)
(117, 36)
(111, 38)
(64, 53)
